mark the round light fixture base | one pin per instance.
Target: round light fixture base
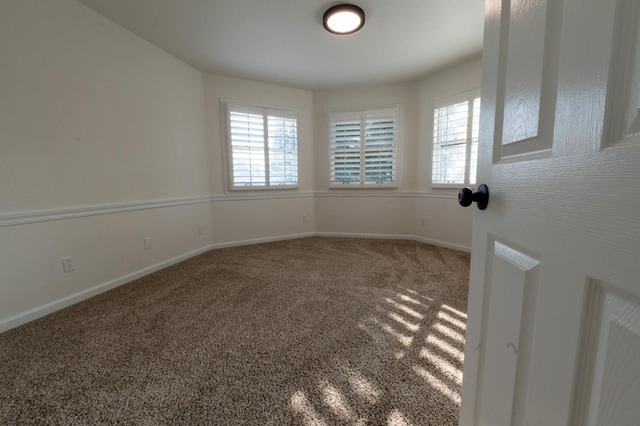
(343, 19)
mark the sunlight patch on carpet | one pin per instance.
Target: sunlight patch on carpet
(451, 320)
(396, 418)
(415, 293)
(449, 332)
(437, 363)
(435, 341)
(437, 384)
(400, 337)
(300, 405)
(362, 387)
(406, 298)
(455, 311)
(412, 327)
(405, 309)
(336, 402)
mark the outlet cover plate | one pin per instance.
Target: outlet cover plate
(68, 264)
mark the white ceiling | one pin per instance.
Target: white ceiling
(283, 41)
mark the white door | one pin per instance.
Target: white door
(553, 334)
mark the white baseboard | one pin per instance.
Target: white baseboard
(262, 240)
(364, 235)
(443, 244)
(56, 305)
(396, 237)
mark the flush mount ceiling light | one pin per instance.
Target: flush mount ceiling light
(343, 19)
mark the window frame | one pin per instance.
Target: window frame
(362, 115)
(230, 107)
(469, 96)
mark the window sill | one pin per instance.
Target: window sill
(263, 188)
(361, 186)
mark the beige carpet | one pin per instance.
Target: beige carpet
(316, 331)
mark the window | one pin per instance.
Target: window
(363, 147)
(263, 147)
(455, 140)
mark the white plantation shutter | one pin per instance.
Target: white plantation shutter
(247, 148)
(263, 147)
(283, 148)
(344, 134)
(380, 147)
(363, 148)
(455, 140)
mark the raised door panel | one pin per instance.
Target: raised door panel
(527, 69)
(505, 356)
(623, 105)
(609, 380)
(584, 75)
(524, 65)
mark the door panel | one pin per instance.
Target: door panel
(514, 274)
(616, 395)
(527, 75)
(609, 380)
(586, 56)
(624, 94)
(547, 342)
(524, 65)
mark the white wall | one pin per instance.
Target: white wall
(403, 95)
(258, 215)
(366, 212)
(102, 142)
(458, 79)
(396, 212)
(92, 114)
(446, 222)
(106, 139)
(219, 88)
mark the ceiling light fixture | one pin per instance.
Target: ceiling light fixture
(343, 19)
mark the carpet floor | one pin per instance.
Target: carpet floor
(315, 331)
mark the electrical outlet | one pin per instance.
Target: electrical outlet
(304, 218)
(423, 221)
(68, 264)
(147, 243)
(200, 229)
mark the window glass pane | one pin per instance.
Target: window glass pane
(455, 141)
(473, 166)
(450, 143)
